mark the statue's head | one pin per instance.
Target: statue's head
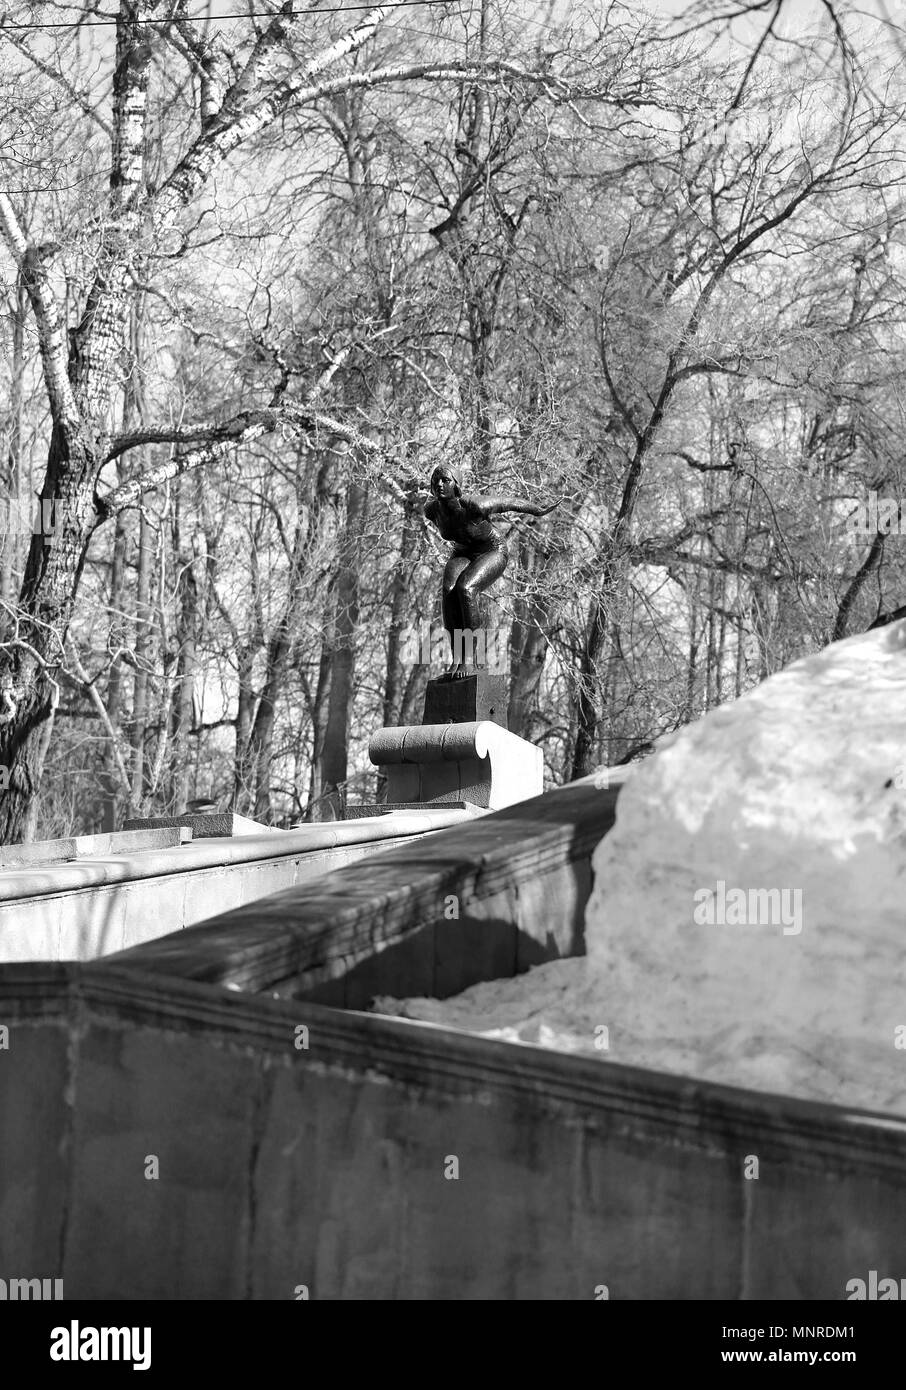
(444, 482)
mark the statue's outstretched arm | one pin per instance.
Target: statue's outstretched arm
(492, 505)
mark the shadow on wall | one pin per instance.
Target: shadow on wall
(437, 961)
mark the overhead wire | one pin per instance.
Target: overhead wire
(218, 18)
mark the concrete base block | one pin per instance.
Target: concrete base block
(467, 701)
(477, 762)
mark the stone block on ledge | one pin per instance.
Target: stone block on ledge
(204, 824)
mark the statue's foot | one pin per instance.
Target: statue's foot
(459, 673)
(452, 673)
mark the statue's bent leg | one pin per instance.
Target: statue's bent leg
(454, 619)
(482, 571)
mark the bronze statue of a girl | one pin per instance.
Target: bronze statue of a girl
(479, 555)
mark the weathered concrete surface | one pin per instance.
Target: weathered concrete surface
(192, 1209)
(86, 909)
(489, 897)
(323, 1164)
(34, 1164)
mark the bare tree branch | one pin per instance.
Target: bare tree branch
(71, 91)
(30, 260)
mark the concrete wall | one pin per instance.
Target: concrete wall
(87, 909)
(325, 1165)
(170, 1133)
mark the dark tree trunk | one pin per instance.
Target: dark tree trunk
(12, 481)
(261, 740)
(143, 643)
(588, 711)
(28, 691)
(110, 778)
(319, 710)
(242, 769)
(335, 758)
(528, 648)
(188, 630)
(402, 617)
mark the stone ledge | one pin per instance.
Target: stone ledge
(37, 880)
(62, 851)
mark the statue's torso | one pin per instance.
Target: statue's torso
(465, 526)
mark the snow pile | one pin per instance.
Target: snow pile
(556, 1005)
(748, 920)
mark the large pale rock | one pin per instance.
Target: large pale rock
(798, 790)
(798, 787)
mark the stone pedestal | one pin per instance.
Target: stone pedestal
(462, 753)
(477, 762)
(470, 700)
